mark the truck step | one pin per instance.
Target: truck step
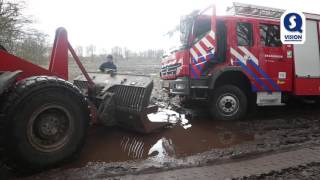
(272, 104)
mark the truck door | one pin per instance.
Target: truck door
(203, 42)
(244, 51)
(275, 59)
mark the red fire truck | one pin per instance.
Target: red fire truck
(236, 60)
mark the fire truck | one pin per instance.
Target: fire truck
(237, 60)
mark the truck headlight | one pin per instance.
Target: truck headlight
(180, 86)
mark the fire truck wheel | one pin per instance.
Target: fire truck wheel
(228, 102)
(317, 99)
(45, 123)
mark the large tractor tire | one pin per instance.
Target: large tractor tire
(45, 123)
(228, 103)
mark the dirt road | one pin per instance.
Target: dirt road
(193, 140)
(252, 168)
(199, 141)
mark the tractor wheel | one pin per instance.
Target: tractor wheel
(45, 122)
(228, 102)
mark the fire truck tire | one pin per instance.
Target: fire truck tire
(228, 103)
(45, 123)
(317, 99)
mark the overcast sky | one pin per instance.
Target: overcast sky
(136, 24)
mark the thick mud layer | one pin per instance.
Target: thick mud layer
(181, 139)
(194, 139)
(303, 172)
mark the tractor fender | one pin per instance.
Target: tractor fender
(216, 75)
(7, 79)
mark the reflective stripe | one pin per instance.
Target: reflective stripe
(193, 53)
(248, 53)
(201, 50)
(237, 55)
(204, 47)
(265, 75)
(207, 43)
(212, 35)
(211, 39)
(195, 75)
(256, 78)
(196, 51)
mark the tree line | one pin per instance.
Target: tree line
(118, 52)
(17, 36)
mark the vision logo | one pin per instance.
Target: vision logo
(293, 28)
(293, 22)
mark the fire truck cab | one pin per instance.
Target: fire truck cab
(236, 60)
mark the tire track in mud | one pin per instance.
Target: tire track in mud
(272, 129)
(240, 169)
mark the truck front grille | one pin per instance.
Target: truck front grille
(130, 98)
(170, 70)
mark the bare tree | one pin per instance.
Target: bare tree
(126, 53)
(17, 37)
(12, 23)
(117, 52)
(79, 51)
(104, 51)
(91, 50)
(33, 47)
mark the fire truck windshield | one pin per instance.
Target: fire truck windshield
(185, 29)
(201, 22)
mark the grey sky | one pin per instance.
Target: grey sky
(136, 24)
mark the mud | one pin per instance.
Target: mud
(181, 139)
(304, 172)
(198, 141)
(193, 139)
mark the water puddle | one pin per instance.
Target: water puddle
(183, 138)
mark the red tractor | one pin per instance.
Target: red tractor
(44, 117)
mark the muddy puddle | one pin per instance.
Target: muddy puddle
(182, 138)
